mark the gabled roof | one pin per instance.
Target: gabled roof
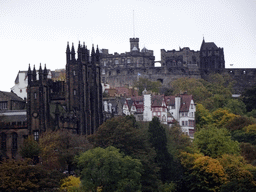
(157, 100)
(185, 102)
(12, 96)
(170, 100)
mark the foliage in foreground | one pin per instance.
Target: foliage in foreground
(22, 176)
(110, 170)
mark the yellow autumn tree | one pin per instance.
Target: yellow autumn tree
(203, 173)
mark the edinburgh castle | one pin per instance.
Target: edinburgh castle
(125, 68)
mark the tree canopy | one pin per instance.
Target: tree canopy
(110, 170)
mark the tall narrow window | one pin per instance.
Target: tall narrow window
(14, 141)
(74, 73)
(36, 135)
(74, 92)
(3, 141)
(35, 96)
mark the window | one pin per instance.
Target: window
(182, 123)
(105, 63)
(36, 135)
(128, 60)
(116, 61)
(103, 71)
(35, 96)
(14, 141)
(3, 105)
(74, 73)
(74, 92)
(3, 141)
(192, 106)
(20, 90)
(186, 123)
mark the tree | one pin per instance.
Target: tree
(249, 98)
(239, 122)
(60, 147)
(203, 117)
(131, 138)
(215, 142)
(239, 176)
(30, 149)
(203, 173)
(144, 83)
(192, 86)
(158, 140)
(69, 183)
(221, 117)
(236, 106)
(22, 176)
(109, 169)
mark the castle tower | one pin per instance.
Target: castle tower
(37, 102)
(134, 44)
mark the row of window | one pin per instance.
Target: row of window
(3, 105)
(14, 141)
(190, 123)
(14, 136)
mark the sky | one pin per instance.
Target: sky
(37, 31)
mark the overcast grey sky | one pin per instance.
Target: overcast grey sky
(37, 31)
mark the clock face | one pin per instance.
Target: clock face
(35, 115)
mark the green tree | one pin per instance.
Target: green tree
(30, 149)
(144, 83)
(131, 138)
(249, 98)
(236, 106)
(109, 169)
(192, 86)
(158, 140)
(215, 142)
(203, 117)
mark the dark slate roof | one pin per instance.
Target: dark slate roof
(12, 96)
(209, 45)
(157, 100)
(170, 100)
(185, 102)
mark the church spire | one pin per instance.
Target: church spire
(73, 52)
(68, 52)
(29, 74)
(45, 72)
(93, 55)
(97, 55)
(34, 73)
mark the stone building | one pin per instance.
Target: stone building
(74, 104)
(119, 70)
(13, 124)
(126, 66)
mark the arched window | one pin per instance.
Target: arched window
(14, 141)
(3, 141)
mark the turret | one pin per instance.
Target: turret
(68, 53)
(79, 51)
(34, 74)
(93, 59)
(97, 55)
(29, 74)
(73, 52)
(40, 73)
(45, 72)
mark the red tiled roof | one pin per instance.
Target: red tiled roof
(170, 100)
(185, 102)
